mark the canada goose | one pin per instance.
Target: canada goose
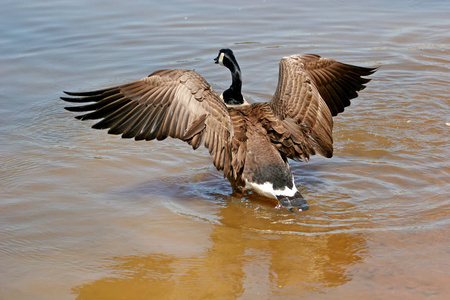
(250, 143)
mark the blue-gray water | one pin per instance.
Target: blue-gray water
(86, 215)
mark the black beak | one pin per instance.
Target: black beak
(216, 60)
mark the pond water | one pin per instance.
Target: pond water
(87, 215)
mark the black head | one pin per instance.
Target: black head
(233, 95)
(226, 58)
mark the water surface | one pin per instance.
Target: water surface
(86, 215)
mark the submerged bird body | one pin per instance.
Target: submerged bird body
(249, 143)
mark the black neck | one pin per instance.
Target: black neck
(233, 95)
(236, 79)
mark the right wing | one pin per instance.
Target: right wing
(311, 90)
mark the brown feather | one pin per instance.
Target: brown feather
(311, 90)
(295, 124)
(173, 103)
(195, 127)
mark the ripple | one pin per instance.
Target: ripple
(76, 199)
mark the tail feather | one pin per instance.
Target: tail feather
(295, 202)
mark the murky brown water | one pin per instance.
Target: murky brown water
(85, 215)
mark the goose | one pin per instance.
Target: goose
(249, 143)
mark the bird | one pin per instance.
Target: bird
(250, 143)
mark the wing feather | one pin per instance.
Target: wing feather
(175, 103)
(311, 90)
(123, 124)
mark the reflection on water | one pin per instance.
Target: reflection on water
(239, 263)
(91, 216)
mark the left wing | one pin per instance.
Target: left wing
(175, 103)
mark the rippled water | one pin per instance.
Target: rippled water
(85, 215)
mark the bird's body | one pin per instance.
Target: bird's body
(249, 143)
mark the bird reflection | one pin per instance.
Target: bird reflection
(253, 251)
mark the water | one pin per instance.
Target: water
(85, 215)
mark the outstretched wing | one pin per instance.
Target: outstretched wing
(311, 90)
(175, 103)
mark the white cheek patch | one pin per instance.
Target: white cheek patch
(221, 58)
(266, 189)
